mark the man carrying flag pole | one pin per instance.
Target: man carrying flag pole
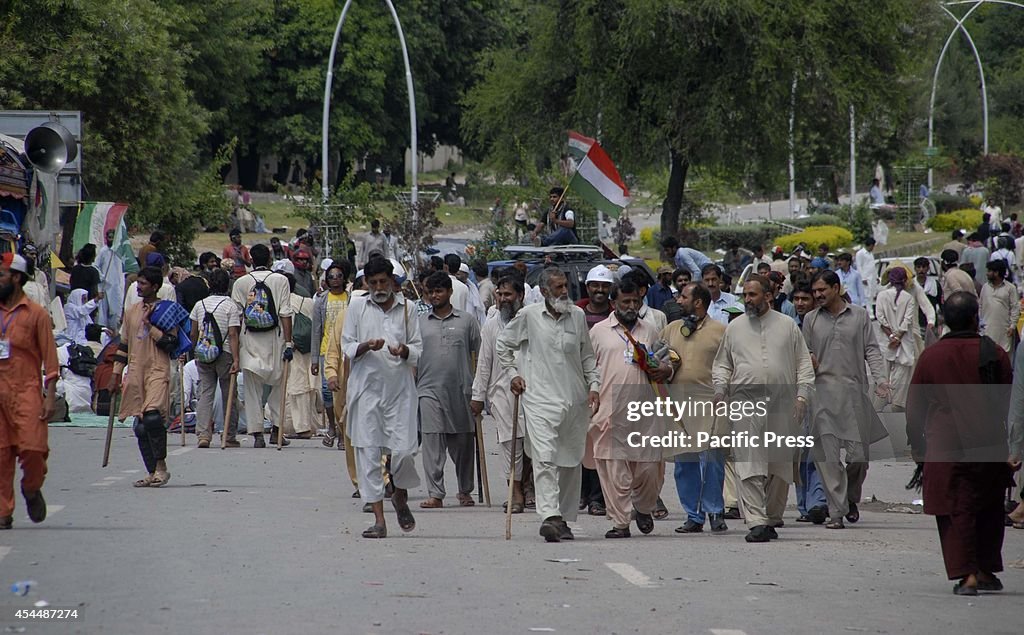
(595, 179)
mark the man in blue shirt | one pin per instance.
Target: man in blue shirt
(712, 276)
(684, 257)
(661, 291)
(850, 278)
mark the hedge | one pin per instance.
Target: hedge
(748, 236)
(811, 237)
(945, 203)
(817, 220)
(968, 219)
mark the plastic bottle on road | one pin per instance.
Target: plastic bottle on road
(23, 587)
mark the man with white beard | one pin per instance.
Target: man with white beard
(492, 383)
(556, 371)
(381, 336)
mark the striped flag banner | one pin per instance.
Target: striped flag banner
(596, 180)
(94, 219)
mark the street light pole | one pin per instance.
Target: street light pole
(325, 132)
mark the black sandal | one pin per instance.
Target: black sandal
(400, 501)
(376, 531)
(660, 511)
(644, 522)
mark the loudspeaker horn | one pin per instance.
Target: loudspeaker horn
(50, 147)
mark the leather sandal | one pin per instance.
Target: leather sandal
(660, 511)
(618, 532)
(466, 500)
(400, 501)
(376, 531)
(144, 482)
(160, 479)
(431, 503)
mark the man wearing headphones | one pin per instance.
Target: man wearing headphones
(699, 471)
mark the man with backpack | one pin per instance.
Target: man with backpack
(299, 419)
(216, 322)
(264, 298)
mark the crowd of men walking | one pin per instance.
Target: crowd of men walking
(406, 367)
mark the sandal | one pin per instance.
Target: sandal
(400, 501)
(145, 482)
(1018, 525)
(466, 500)
(835, 524)
(660, 511)
(517, 508)
(376, 531)
(430, 503)
(160, 479)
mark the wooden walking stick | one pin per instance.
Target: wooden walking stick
(115, 405)
(181, 393)
(482, 458)
(512, 470)
(284, 402)
(227, 410)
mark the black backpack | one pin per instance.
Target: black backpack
(260, 312)
(302, 331)
(81, 360)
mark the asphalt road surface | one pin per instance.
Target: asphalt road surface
(261, 541)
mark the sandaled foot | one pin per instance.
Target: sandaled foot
(992, 583)
(36, 506)
(618, 532)
(644, 522)
(551, 531)
(432, 503)
(203, 443)
(596, 509)
(466, 500)
(854, 514)
(376, 531)
(400, 501)
(962, 589)
(144, 482)
(328, 441)
(160, 479)
(660, 511)
(835, 524)
(356, 494)
(6, 522)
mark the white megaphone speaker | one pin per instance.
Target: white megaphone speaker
(50, 147)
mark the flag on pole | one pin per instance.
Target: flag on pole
(596, 180)
(94, 219)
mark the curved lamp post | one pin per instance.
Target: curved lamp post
(327, 102)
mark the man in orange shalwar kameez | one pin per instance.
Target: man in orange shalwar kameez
(26, 350)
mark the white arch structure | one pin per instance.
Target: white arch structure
(327, 101)
(977, 58)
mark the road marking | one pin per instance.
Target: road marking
(53, 509)
(181, 451)
(632, 575)
(726, 631)
(3, 552)
(102, 484)
(118, 478)
(135, 471)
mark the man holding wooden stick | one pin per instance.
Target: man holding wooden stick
(146, 352)
(492, 383)
(556, 373)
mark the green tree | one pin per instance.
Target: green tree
(699, 83)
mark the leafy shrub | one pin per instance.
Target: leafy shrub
(1004, 172)
(832, 235)
(747, 236)
(647, 236)
(967, 219)
(975, 200)
(949, 203)
(818, 220)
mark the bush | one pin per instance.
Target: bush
(647, 236)
(945, 203)
(818, 220)
(1004, 172)
(968, 219)
(748, 236)
(832, 235)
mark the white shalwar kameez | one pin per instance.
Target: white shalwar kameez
(381, 395)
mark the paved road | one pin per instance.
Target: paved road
(261, 541)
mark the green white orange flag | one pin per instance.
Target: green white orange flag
(596, 180)
(94, 219)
